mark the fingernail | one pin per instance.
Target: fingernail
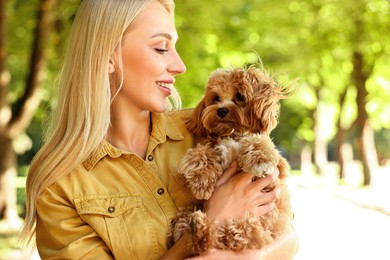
(234, 164)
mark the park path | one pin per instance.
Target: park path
(340, 223)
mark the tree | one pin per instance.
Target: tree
(366, 30)
(343, 51)
(365, 143)
(343, 147)
(15, 118)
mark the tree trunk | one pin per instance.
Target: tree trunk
(27, 105)
(11, 125)
(340, 156)
(365, 142)
(306, 162)
(344, 149)
(7, 183)
(320, 142)
(344, 156)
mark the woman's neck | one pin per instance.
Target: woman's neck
(130, 133)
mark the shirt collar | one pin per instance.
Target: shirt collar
(163, 126)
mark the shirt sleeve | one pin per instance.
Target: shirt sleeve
(61, 233)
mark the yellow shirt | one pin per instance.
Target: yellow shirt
(117, 205)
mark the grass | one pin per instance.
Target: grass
(8, 243)
(7, 240)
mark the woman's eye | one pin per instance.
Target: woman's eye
(240, 97)
(161, 51)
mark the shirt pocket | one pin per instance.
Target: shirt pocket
(122, 222)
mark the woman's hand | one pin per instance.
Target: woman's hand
(284, 248)
(237, 194)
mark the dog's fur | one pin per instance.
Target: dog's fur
(234, 119)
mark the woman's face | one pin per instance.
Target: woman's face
(150, 61)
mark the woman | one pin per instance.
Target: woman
(103, 185)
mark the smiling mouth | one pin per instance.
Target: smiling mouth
(166, 86)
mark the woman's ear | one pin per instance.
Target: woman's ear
(111, 66)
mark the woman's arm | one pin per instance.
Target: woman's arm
(61, 233)
(180, 249)
(283, 248)
(236, 195)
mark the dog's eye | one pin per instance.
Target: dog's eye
(240, 97)
(216, 99)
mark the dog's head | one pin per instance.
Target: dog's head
(237, 101)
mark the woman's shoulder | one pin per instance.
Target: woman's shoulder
(180, 114)
(179, 118)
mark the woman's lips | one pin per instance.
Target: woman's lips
(165, 87)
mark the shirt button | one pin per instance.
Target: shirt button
(150, 157)
(111, 209)
(160, 191)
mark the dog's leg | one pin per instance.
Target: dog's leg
(201, 169)
(179, 226)
(242, 234)
(258, 155)
(228, 149)
(196, 224)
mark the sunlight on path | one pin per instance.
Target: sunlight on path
(331, 227)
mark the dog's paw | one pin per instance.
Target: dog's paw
(201, 189)
(199, 183)
(262, 169)
(201, 171)
(258, 155)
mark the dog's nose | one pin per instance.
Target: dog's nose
(222, 112)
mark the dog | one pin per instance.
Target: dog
(233, 121)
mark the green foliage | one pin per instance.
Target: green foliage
(21, 24)
(310, 41)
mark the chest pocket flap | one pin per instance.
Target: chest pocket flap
(110, 205)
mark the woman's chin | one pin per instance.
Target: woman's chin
(161, 108)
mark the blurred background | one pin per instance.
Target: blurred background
(335, 130)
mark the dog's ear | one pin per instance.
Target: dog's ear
(263, 114)
(264, 107)
(194, 124)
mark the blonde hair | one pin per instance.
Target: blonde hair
(82, 115)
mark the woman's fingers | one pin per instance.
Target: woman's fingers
(236, 194)
(269, 196)
(264, 209)
(247, 177)
(232, 170)
(268, 179)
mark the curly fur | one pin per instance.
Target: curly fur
(234, 119)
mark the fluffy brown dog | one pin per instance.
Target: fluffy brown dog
(234, 119)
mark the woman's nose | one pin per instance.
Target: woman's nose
(177, 65)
